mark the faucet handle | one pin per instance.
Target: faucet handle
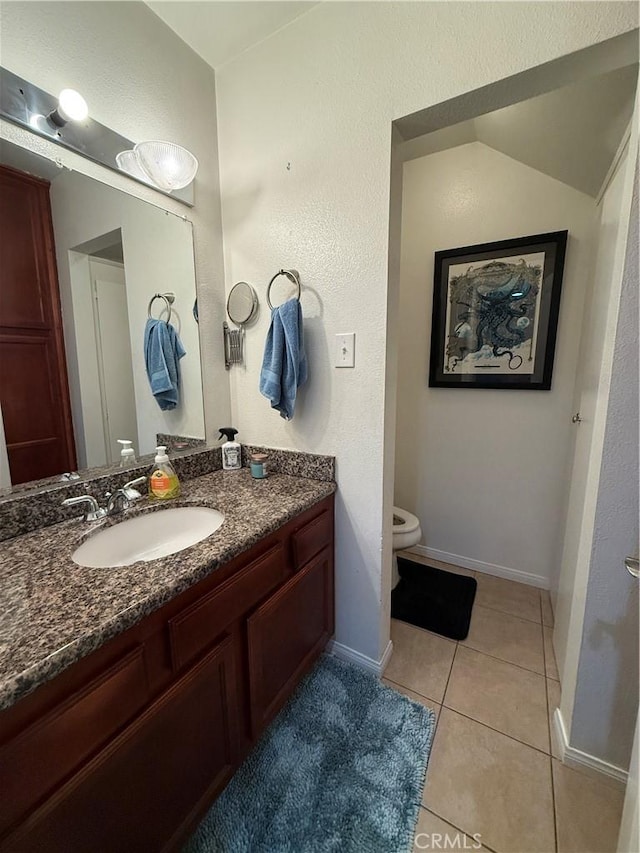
(94, 513)
(130, 488)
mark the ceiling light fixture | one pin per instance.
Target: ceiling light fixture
(71, 107)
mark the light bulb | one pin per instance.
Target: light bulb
(72, 106)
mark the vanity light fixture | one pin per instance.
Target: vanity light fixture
(65, 121)
(161, 164)
(71, 107)
(128, 162)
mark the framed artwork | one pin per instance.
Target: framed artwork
(495, 313)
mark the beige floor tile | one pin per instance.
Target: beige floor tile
(485, 782)
(553, 702)
(501, 695)
(415, 697)
(549, 655)
(506, 637)
(547, 610)
(427, 561)
(588, 812)
(518, 599)
(433, 833)
(420, 660)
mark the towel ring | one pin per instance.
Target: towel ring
(169, 299)
(292, 275)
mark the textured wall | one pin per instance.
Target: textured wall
(485, 470)
(320, 95)
(590, 399)
(141, 80)
(606, 702)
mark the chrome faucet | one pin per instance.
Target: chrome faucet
(122, 498)
(117, 501)
(94, 513)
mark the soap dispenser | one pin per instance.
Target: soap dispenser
(127, 454)
(231, 450)
(163, 482)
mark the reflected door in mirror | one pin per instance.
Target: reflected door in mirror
(34, 392)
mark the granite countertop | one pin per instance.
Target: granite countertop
(53, 612)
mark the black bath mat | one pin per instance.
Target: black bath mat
(433, 599)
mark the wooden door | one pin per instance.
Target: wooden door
(286, 634)
(34, 391)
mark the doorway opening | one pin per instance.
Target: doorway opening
(505, 483)
(105, 367)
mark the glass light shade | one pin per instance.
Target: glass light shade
(72, 106)
(169, 166)
(128, 162)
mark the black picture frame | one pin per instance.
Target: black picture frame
(495, 313)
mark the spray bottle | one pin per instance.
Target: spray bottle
(231, 450)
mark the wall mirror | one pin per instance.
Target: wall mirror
(101, 254)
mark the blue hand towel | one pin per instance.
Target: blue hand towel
(284, 366)
(162, 353)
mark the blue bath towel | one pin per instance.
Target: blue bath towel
(162, 353)
(284, 366)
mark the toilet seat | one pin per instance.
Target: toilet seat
(408, 522)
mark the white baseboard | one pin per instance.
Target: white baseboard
(539, 581)
(343, 652)
(580, 760)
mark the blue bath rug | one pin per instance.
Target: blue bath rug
(340, 770)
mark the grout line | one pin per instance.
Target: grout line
(446, 687)
(455, 826)
(497, 731)
(519, 665)
(413, 690)
(507, 613)
(553, 790)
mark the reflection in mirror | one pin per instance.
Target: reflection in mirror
(83, 256)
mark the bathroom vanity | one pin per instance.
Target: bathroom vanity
(136, 692)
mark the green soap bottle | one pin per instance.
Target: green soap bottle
(163, 482)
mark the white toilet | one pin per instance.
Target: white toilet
(406, 533)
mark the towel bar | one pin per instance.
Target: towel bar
(292, 275)
(169, 299)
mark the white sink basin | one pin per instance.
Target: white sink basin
(148, 537)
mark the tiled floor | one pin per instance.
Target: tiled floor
(493, 777)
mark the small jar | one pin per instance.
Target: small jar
(258, 464)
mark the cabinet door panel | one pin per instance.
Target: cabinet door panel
(150, 782)
(286, 634)
(46, 754)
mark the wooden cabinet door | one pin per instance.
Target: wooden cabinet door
(285, 636)
(34, 391)
(155, 779)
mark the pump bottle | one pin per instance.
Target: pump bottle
(163, 482)
(231, 450)
(127, 454)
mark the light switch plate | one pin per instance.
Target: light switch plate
(346, 349)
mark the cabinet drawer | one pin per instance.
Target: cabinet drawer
(311, 539)
(36, 761)
(193, 630)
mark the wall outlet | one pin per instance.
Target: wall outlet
(346, 350)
